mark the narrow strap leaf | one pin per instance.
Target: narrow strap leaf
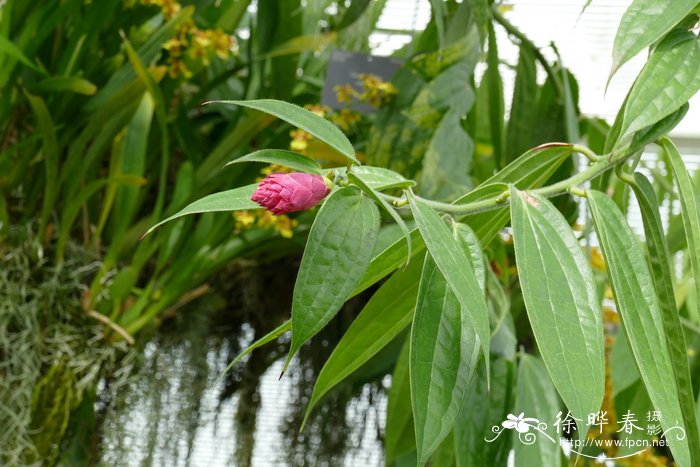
(659, 261)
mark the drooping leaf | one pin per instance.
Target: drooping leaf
(536, 398)
(496, 109)
(388, 312)
(659, 262)
(266, 339)
(282, 157)
(456, 268)
(643, 23)
(482, 410)
(689, 198)
(530, 170)
(303, 119)
(339, 248)
(399, 438)
(669, 79)
(561, 301)
(444, 354)
(639, 311)
(523, 107)
(387, 208)
(230, 200)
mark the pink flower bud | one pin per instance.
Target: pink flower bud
(281, 192)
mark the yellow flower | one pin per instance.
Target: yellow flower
(299, 141)
(597, 260)
(344, 93)
(346, 118)
(244, 220)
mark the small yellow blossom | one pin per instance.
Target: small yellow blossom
(597, 260)
(344, 93)
(300, 140)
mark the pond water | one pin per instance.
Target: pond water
(177, 411)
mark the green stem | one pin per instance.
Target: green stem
(569, 185)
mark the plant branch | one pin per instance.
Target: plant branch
(569, 185)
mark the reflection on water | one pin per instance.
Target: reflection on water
(175, 413)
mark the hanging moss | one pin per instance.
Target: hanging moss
(51, 352)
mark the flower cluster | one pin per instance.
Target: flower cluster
(246, 220)
(191, 47)
(374, 92)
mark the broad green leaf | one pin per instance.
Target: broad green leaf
(659, 262)
(561, 301)
(640, 314)
(303, 119)
(388, 312)
(339, 248)
(230, 200)
(387, 207)
(530, 170)
(444, 354)
(472, 248)
(536, 398)
(689, 198)
(669, 79)
(282, 157)
(456, 268)
(482, 410)
(399, 437)
(380, 178)
(643, 23)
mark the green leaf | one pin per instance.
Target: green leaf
(523, 106)
(388, 312)
(472, 248)
(379, 178)
(65, 83)
(484, 409)
(496, 110)
(230, 200)
(339, 248)
(50, 155)
(438, 7)
(536, 398)
(266, 339)
(444, 354)
(639, 311)
(689, 198)
(399, 436)
(11, 50)
(662, 127)
(530, 170)
(303, 119)
(455, 267)
(669, 79)
(659, 262)
(386, 206)
(643, 23)
(561, 302)
(282, 157)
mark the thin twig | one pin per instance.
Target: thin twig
(115, 327)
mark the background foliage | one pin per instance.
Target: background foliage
(103, 136)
